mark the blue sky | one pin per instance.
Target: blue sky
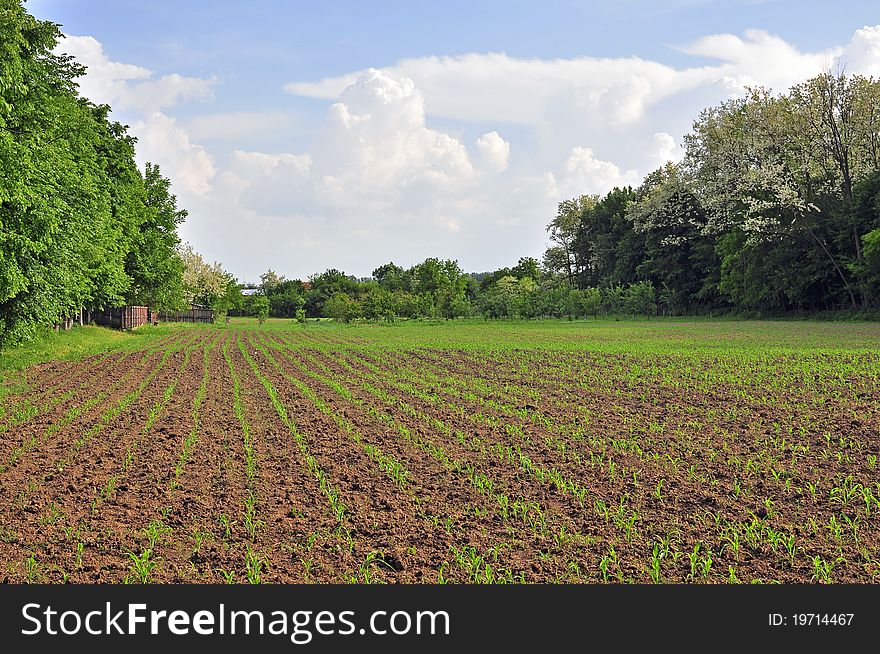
(320, 39)
(236, 102)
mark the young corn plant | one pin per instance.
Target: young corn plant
(225, 525)
(365, 572)
(822, 569)
(141, 566)
(78, 555)
(731, 575)
(155, 531)
(609, 562)
(701, 563)
(198, 537)
(732, 540)
(658, 491)
(657, 556)
(251, 522)
(33, 573)
(255, 564)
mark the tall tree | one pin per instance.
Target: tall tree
(606, 246)
(678, 257)
(62, 243)
(154, 263)
(751, 177)
(562, 256)
(392, 277)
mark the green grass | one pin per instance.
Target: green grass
(77, 343)
(703, 336)
(699, 336)
(656, 336)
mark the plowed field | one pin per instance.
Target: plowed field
(328, 455)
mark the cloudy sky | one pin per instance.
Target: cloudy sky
(307, 135)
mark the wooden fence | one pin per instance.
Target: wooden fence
(196, 314)
(122, 317)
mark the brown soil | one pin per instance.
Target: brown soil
(448, 465)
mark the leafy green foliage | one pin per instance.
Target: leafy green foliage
(771, 210)
(80, 227)
(153, 263)
(261, 307)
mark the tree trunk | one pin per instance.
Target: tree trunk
(858, 243)
(852, 296)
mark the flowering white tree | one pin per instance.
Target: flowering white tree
(203, 283)
(758, 168)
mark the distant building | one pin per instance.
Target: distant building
(250, 291)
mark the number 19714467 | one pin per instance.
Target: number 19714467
(810, 619)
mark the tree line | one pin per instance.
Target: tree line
(774, 208)
(436, 289)
(81, 227)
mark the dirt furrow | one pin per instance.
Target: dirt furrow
(383, 521)
(59, 503)
(447, 497)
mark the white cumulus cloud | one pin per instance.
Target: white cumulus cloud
(141, 97)
(375, 140)
(409, 161)
(862, 54)
(665, 149)
(187, 164)
(495, 151)
(583, 173)
(125, 86)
